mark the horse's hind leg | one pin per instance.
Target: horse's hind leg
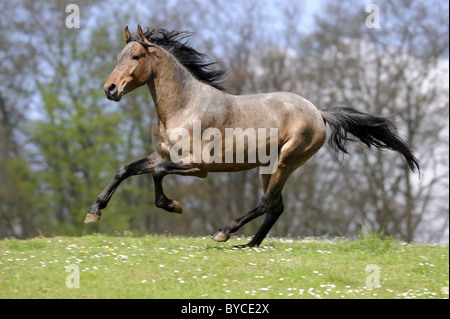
(292, 155)
(270, 219)
(271, 203)
(223, 234)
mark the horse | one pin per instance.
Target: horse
(186, 89)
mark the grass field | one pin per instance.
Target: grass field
(194, 267)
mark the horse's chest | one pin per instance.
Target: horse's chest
(160, 140)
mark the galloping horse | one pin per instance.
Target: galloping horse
(186, 90)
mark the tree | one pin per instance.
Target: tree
(395, 70)
(61, 140)
(18, 211)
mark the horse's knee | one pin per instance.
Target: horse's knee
(121, 172)
(159, 172)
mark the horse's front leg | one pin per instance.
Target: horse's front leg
(188, 169)
(143, 166)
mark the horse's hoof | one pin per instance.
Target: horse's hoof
(92, 218)
(219, 236)
(178, 209)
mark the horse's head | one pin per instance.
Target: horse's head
(133, 67)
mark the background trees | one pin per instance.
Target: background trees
(61, 140)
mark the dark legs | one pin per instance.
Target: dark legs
(272, 207)
(152, 164)
(143, 166)
(270, 219)
(271, 204)
(167, 168)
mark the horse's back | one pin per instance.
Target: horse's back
(278, 103)
(279, 109)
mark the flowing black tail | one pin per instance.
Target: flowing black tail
(369, 129)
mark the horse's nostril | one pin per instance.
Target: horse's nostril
(111, 87)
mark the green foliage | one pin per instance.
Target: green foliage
(61, 141)
(20, 207)
(75, 143)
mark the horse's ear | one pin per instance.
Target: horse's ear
(140, 34)
(142, 37)
(126, 34)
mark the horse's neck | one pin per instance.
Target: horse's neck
(171, 87)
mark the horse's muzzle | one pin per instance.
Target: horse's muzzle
(112, 93)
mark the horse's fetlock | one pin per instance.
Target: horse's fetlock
(160, 204)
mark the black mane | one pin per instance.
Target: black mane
(197, 63)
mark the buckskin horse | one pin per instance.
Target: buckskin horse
(185, 88)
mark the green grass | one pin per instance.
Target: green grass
(194, 267)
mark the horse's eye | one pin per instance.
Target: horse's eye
(135, 57)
